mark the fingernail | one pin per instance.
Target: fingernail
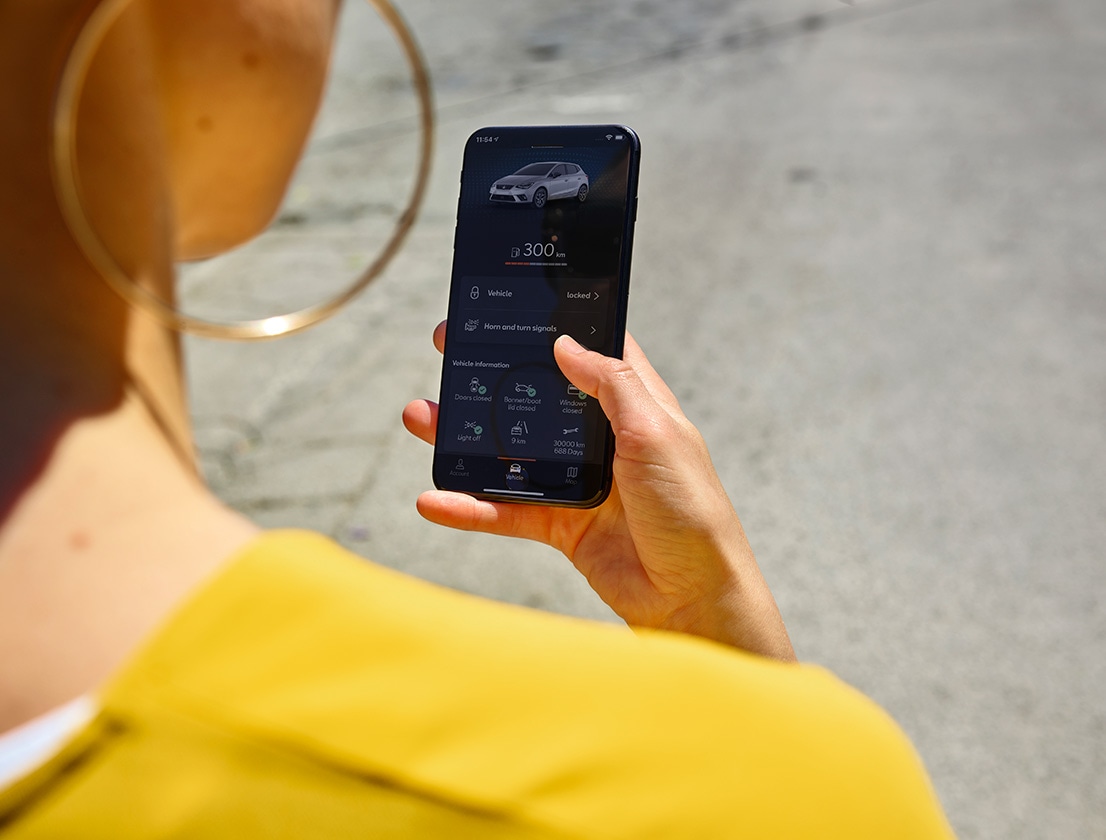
(571, 345)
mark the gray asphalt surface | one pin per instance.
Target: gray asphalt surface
(869, 260)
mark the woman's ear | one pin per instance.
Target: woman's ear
(240, 81)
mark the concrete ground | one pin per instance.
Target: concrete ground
(870, 261)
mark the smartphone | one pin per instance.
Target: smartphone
(545, 226)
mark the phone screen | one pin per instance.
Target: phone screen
(542, 248)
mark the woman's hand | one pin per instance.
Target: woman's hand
(666, 549)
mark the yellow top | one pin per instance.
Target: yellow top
(306, 693)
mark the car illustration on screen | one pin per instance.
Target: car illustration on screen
(539, 183)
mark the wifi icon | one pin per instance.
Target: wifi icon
(609, 136)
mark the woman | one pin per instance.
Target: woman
(166, 669)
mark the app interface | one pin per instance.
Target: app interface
(541, 247)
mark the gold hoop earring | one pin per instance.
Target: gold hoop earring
(68, 191)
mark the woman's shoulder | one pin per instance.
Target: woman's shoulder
(296, 603)
(299, 645)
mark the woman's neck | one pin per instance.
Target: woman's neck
(104, 533)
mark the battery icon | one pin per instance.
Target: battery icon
(618, 137)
